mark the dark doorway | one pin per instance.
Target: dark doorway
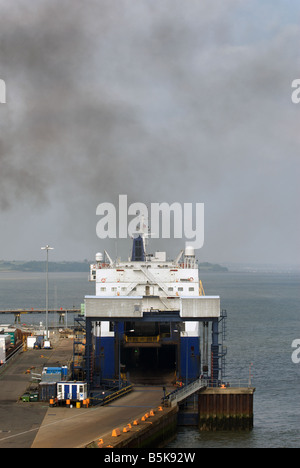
(150, 364)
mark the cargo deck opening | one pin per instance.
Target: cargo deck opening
(149, 364)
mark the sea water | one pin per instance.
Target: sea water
(263, 319)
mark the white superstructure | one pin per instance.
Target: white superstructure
(134, 287)
(153, 277)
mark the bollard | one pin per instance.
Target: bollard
(116, 432)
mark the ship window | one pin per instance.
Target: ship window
(191, 289)
(170, 289)
(102, 289)
(180, 289)
(113, 289)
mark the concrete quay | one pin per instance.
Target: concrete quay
(36, 425)
(20, 422)
(78, 427)
(154, 429)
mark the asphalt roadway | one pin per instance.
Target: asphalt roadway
(19, 421)
(76, 428)
(36, 425)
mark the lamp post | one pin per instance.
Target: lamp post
(47, 248)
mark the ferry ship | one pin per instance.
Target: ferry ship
(150, 319)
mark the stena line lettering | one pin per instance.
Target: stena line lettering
(2, 92)
(296, 353)
(115, 224)
(296, 93)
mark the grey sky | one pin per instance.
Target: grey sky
(186, 101)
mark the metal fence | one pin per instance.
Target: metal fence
(11, 358)
(184, 392)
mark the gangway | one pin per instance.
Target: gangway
(181, 394)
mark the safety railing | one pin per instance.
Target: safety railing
(209, 383)
(142, 339)
(11, 358)
(184, 392)
(112, 396)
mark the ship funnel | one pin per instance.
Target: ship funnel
(138, 251)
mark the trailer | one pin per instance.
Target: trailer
(5, 341)
(47, 391)
(2, 353)
(30, 341)
(39, 342)
(12, 332)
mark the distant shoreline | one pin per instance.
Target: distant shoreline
(84, 267)
(40, 267)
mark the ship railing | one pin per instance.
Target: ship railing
(142, 339)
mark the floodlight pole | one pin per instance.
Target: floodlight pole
(47, 248)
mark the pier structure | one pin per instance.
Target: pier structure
(150, 319)
(62, 313)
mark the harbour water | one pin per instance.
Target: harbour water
(263, 320)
